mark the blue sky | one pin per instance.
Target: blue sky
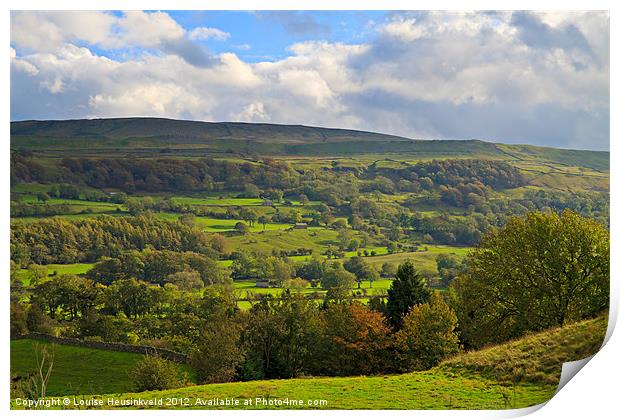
(515, 77)
(269, 33)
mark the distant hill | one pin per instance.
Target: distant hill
(195, 138)
(174, 130)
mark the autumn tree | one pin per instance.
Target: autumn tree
(356, 342)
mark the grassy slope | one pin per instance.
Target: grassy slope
(188, 132)
(186, 136)
(536, 358)
(477, 380)
(78, 370)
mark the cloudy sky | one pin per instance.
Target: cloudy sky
(514, 77)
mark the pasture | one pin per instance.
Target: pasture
(58, 269)
(78, 370)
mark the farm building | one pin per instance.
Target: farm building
(300, 226)
(262, 283)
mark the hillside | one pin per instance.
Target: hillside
(78, 370)
(521, 373)
(143, 136)
(191, 131)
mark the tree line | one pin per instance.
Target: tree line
(60, 241)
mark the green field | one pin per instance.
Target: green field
(77, 268)
(477, 380)
(318, 239)
(78, 370)
(245, 288)
(423, 259)
(210, 224)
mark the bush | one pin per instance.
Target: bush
(19, 320)
(38, 321)
(155, 373)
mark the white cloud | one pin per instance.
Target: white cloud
(47, 31)
(253, 112)
(404, 29)
(141, 29)
(243, 47)
(208, 33)
(505, 76)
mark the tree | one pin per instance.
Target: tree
(263, 220)
(356, 341)
(337, 277)
(36, 274)
(186, 280)
(274, 269)
(281, 337)
(428, 335)
(133, 298)
(241, 227)
(188, 219)
(44, 358)
(248, 215)
(355, 265)
(38, 321)
(407, 290)
(539, 271)
(251, 191)
(219, 243)
(208, 268)
(312, 269)
(244, 265)
(219, 353)
(362, 270)
(371, 274)
(18, 320)
(448, 268)
(42, 196)
(388, 270)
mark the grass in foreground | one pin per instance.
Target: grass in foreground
(424, 390)
(476, 380)
(78, 370)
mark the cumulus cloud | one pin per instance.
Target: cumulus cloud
(539, 78)
(208, 33)
(49, 31)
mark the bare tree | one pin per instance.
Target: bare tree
(45, 363)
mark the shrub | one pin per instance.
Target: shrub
(155, 373)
